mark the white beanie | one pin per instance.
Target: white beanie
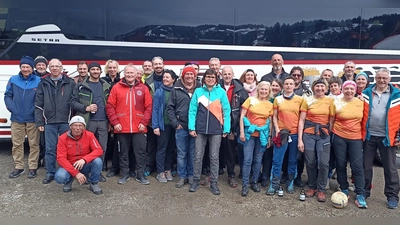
(77, 119)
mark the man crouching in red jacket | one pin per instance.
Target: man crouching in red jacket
(78, 153)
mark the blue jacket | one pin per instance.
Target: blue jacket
(250, 128)
(159, 105)
(20, 97)
(210, 111)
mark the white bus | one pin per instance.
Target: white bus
(243, 35)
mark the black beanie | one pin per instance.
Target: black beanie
(42, 59)
(94, 64)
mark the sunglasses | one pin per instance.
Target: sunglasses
(296, 75)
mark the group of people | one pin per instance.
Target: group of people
(151, 118)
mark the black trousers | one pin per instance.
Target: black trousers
(112, 152)
(228, 151)
(267, 163)
(135, 142)
(388, 155)
(42, 146)
(151, 150)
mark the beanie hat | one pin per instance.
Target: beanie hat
(77, 119)
(349, 82)
(188, 69)
(94, 64)
(362, 74)
(27, 60)
(42, 59)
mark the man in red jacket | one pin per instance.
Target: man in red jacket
(78, 153)
(129, 112)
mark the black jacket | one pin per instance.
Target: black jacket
(53, 102)
(239, 97)
(303, 89)
(178, 105)
(270, 76)
(108, 79)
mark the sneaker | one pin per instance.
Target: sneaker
(168, 175)
(392, 204)
(110, 174)
(102, 178)
(180, 183)
(321, 196)
(255, 187)
(142, 180)
(48, 179)
(232, 182)
(310, 193)
(32, 173)
(351, 187)
(16, 173)
(214, 189)
(346, 192)
(161, 177)
(290, 188)
(360, 202)
(68, 186)
(94, 187)
(190, 180)
(147, 173)
(245, 190)
(271, 190)
(194, 186)
(124, 179)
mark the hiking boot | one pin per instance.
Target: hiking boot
(161, 177)
(194, 186)
(124, 179)
(102, 178)
(298, 182)
(32, 173)
(310, 193)
(232, 182)
(16, 173)
(180, 183)
(255, 187)
(392, 203)
(245, 190)
(110, 174)
(271, 190)
(360, 202)
(214, 189)
(48, 179)
(321, 196)
(168, 175)
(142, 180)
(68, 186)
(94, 187)
(190, 180)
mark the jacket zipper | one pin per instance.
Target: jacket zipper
(208, 111)
(130, 109)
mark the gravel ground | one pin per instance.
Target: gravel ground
(29, 197)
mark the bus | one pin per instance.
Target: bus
(241, 34)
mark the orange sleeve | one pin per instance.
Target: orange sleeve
(331, 107)
(275, 104)
(304, 106)
(246, 104)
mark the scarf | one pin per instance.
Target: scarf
(250, 87)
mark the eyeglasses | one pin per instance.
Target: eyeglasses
(210, 77)
(54, 66)
(296, 75)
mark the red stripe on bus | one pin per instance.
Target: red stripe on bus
(5, 132)
(229, 62)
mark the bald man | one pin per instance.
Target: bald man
(277, 69)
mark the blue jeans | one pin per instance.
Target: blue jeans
(279, 154)
(94, 168)
(252, 160)
(185, 153)
(51, 133)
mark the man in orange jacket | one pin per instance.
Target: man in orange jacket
(129, 109)
(78, 153)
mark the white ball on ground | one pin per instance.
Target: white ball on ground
(339, 200)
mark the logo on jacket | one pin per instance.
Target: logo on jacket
(139, 92)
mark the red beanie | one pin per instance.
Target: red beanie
(188, 69)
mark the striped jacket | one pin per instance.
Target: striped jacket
(392, 114)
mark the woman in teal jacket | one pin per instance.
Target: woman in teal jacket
(209, 118)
